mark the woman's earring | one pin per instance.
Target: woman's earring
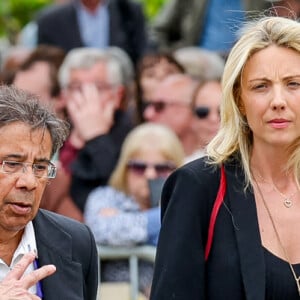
(245, 127)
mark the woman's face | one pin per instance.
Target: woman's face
(148, 163)
(207, 105)
(153, 75)
(270, 96)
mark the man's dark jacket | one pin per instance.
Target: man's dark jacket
(70, 246)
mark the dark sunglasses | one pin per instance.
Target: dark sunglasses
(202, 112)
(161, 169)
(160, 105)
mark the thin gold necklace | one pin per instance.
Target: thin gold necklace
(297, 279)
(287, 200)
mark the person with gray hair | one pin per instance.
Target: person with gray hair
(201, 64)
(85, 58)
(30, 237)
(94, 89)
(18, 106)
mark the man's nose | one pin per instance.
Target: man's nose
(149, 113)
(27, 179)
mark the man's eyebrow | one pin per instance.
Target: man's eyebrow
(14, 156)
(42, 160)
(23, 157)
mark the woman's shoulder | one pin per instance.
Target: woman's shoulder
(200, 168)
(206, 168)
(108, 192)
(202, 175)
(192, 187)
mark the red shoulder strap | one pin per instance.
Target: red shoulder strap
(214, 213)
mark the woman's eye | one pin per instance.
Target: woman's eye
(260, 86)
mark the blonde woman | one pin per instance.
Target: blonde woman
(123, 213)
(255, 252)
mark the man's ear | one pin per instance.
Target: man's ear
(120, 97)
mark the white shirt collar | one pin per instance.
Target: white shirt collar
(27, 243)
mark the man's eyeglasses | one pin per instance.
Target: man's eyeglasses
(160, 105)
(40, 170)
(202, 112)
(161, 169)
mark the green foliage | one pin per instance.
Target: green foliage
(14, 14)
(152, 7)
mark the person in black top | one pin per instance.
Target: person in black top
(257, 149)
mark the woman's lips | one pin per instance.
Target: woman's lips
(279, 123)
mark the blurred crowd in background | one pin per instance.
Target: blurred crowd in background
(141, 99)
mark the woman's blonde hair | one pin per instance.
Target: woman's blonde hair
(234, 135)
(151, 135)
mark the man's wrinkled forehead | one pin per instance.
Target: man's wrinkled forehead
(21, 138)
(175, 88)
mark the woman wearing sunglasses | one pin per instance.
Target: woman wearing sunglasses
(123, 213)
(206, 106)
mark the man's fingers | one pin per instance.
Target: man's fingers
(32, 278)
(20, 267)
(16, 285)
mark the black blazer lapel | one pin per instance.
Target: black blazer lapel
(55, 247)
(247, 234)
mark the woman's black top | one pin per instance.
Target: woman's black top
(280, 282)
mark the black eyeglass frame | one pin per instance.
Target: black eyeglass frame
(160, 106)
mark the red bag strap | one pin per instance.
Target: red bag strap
(214, 213)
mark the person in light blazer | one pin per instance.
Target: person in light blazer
(57, 255)
(255, 250)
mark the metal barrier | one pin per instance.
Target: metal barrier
(133, 255)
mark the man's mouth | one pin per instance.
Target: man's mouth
(20, 208)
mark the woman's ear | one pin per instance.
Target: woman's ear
(241, 107)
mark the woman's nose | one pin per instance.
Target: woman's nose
(150, 172)
(278, 101)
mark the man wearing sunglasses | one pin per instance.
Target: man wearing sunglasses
(206, 107)
(171, 106)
